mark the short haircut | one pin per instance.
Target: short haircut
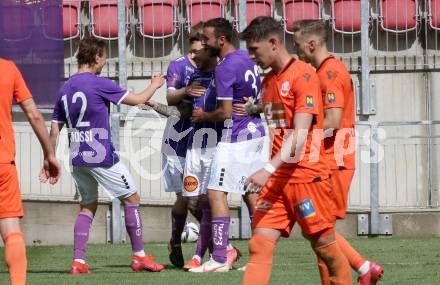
(262, 28)
(222, 27)
(88, 49)
(196, 33)
(311, 27)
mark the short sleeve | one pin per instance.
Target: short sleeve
(225, 78)
(307, 91)
(21, 91)
(59, 115)
(175, 79)
(111, 91)
(332, 89)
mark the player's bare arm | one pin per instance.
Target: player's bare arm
(223, 112)
(182, 110)
(51, 167)
(133, 99)
(249, 108)
(291, 149)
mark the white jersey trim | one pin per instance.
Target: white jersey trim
(123, 97)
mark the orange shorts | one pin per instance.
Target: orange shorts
(282, 203)
(10, 197)
(341, 180)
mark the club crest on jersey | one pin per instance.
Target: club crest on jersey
(190, 183)
(306, 77)
(285, 88)
(331, 97)
(309, 101)
(305, 209)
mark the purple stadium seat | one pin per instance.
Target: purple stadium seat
(203, 10)
(294, 10)
(71, 19)
(157, 18)
(346, 16)
(434, 14)
(398, 16)
(104, 18)
(255, 8)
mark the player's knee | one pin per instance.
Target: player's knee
(133, 199)
(261, 249)
(193, 204)
(322, 238)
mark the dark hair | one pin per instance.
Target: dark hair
(261, 28)
(88, 49)
(311, 27)
(222, 27)
(196, 33)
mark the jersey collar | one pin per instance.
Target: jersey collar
(291, 61)
(324, 61)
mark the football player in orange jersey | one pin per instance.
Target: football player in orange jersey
(338, 98)
(295, 182)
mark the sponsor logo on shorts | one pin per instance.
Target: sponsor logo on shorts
(305, 209)
(190, 183)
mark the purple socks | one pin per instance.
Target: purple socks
(81, 235)
(220, 238)
(133, 224)
(177, 225)
(204, 240)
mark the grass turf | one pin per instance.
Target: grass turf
(406, 261)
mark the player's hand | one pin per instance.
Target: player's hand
(243, 109)
(198, 115)
(51, 170)
(256, 181)
(157, 80)
(195, 90)
(151, 103)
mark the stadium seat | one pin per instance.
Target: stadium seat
(71, 19)
(254, 8)
(433, 7)
(104, 18)
(398, 16)
(157, 18)
(203, 10)
(294, 10)
(346, 16)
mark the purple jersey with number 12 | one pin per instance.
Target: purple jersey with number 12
(236, 77)
(83, 105)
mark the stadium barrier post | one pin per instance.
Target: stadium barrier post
(245, 226)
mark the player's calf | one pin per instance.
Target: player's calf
(259, 267)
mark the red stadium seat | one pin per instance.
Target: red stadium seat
(434, 14)
(398, 16)
(203, 10)
(158, 18)
(254, 8)
(104, 18)
(71, 19)
(294, 10)
(346, 16)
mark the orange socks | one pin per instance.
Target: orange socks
(15, 256)
(259, 267)
(337, 264)
(353, 257)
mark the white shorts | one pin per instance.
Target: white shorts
(115, 180)
(234, 162)
(173, 167)
(197, 171)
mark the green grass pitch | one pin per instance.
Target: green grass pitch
(412, 261)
